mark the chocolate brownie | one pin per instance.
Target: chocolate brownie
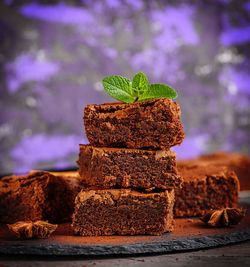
(204, 187)
(37, 196)
(127, 168)
(152, 124)
(123, 212)
(239, 163)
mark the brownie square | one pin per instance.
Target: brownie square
(38, 196)
(127, 168)
(123, 212)
(239, 163)
(152, 124)
(205, 187)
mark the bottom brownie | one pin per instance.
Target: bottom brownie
(123, 212)
(204, 187)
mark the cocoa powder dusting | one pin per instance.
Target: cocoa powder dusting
(64, 234)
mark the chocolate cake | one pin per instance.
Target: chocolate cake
(123, 212)
(152, 124)
(38, 196)
(204, 187)
(127, 168)
(236, 162)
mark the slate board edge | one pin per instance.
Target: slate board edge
(182, 244)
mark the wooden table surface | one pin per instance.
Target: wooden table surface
(229, 256)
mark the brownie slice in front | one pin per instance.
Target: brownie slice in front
(150, 124)
(127, 168)
(204, 187)
(123, 212)
(37, 196)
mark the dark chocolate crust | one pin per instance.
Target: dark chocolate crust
(127, 168)
(123, 212)
(205, 187)
(37, 196)
(152, 124)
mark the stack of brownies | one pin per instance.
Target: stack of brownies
(128, 170)
(127, 176)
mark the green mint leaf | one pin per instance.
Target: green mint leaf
(139, 89)
(139, 83)
(119, 88)
(158, 91)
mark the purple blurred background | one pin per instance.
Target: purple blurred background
(53, 55)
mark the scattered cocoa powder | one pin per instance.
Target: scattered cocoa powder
(64, 234)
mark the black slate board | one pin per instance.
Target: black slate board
(189, 234)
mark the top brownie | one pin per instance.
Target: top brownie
(152, 124)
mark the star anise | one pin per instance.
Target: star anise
(223, 217)
(28, 230)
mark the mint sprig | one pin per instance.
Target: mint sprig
(138, 89)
